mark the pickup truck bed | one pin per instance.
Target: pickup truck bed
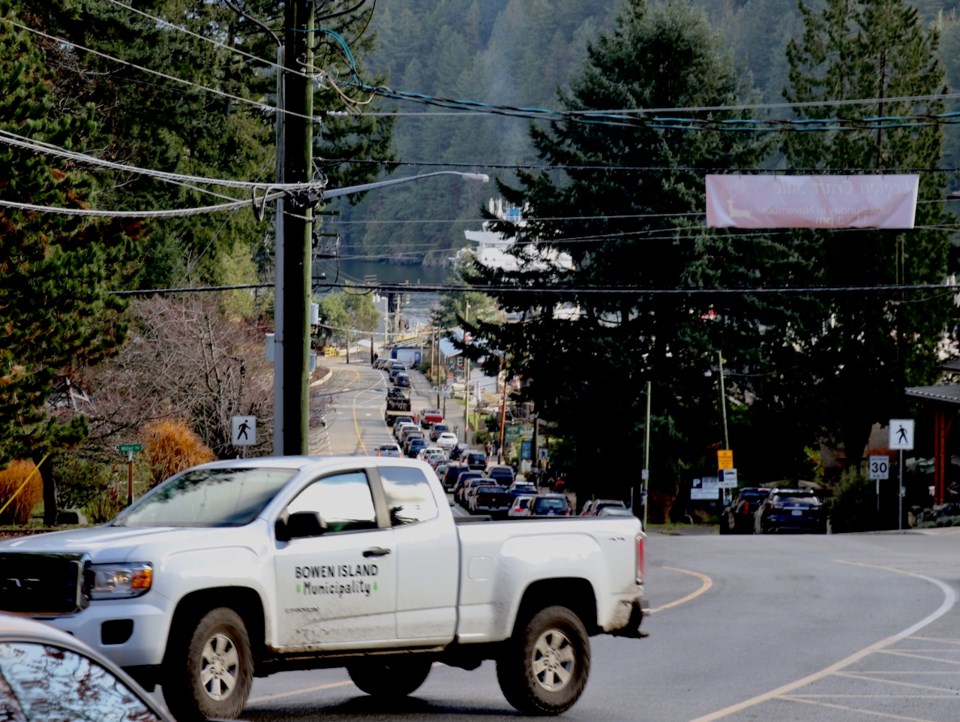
(283, 563)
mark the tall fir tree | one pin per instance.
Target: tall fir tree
(625, 211)
(864, 348)
(56, 311)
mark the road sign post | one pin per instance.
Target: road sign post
(129, 450)
(244, 432)
(879, 470)
(901, 439)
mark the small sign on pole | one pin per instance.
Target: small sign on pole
(244, 430)
(725, 459)
(901, 439)
(901, 434)
(728, 478)
(129, 450)
(879, 468)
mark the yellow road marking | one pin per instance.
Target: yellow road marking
(858, 710)
(894, 682)
(908, 655)
(705, 584)
(949, 601)
(356, 424)
(302, 690)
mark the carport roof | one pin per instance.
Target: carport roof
(946, 394)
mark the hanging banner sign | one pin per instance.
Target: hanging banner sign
(822, 201)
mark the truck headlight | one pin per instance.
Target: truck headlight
(121, 581)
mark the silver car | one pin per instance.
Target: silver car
(46, 674)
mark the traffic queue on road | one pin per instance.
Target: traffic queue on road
(476, 482)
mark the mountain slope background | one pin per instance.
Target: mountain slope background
(517, 53)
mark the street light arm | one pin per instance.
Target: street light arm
(349, 190)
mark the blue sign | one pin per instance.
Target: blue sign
(526, 449)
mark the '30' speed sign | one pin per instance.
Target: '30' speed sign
(879, 467)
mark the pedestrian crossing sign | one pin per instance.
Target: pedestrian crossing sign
(901, 434)
(244, 430)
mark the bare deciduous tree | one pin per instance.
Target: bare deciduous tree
(184, 359)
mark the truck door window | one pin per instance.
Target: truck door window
(343, 502)
(409, 495)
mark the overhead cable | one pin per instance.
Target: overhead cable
(19, 141)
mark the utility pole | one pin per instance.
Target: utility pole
(645, 474)
(466, 382)
(723, 403)
(436, 362)
(294, 242)
(503, 410)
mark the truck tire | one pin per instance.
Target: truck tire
(392, 678)
(208, 670)
(543, 668)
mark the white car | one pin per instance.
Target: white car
(404, 429)
(432, 454)
(521, 505)
(447, 440)
(389, 450)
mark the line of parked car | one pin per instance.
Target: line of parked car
(476, 485)
(758, 510)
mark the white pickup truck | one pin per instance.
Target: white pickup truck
(245, 568)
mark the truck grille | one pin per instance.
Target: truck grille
(42, 583)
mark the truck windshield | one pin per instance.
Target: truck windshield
(207, 498)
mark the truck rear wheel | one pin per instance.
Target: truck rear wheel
(208, 671)
(543, 669)
(393, 678)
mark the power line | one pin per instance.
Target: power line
(630, 117)
(573, 290)
(166, 76)
(165, 213)
(614, 112)
(19, 141)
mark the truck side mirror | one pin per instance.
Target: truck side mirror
(299, 525)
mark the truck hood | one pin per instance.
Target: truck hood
(117, 543)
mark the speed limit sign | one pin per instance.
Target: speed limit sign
(879, 467)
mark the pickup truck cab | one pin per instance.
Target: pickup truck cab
(248, 567)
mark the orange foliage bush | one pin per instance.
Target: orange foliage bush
(19, 510)
(171, 447)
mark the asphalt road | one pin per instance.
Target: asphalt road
(834, 628)
(352, 398)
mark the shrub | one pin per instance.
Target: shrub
(171, 447)
(854, 506)
(91, 486)
(18, 511)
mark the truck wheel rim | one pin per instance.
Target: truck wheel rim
(219, 667)
(553, 660)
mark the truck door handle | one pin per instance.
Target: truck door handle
(376, 552)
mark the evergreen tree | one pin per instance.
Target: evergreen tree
(865, 348)
(616, 251)
(55, 309)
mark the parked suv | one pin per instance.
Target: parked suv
(592, 507)
(450, 476)
(476, 460)
(797, 510)
(502, 474)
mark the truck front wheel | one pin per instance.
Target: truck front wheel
(543, 668)
(209, 668)
(390, 678)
